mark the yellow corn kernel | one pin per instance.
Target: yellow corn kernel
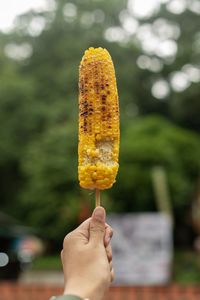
(99, 135)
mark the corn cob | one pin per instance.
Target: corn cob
(98, 147)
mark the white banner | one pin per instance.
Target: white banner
(142, 248)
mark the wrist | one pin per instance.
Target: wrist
(80, 291)
(67, 297)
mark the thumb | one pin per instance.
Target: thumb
(97, 225)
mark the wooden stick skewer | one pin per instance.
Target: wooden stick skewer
(98, 198)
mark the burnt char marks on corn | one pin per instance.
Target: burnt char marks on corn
(98, 147)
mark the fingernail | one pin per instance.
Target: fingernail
(99, 214)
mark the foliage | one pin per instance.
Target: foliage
(52, 196)
(38, 112)
(44, 263)
(149, 142)
(186, 268)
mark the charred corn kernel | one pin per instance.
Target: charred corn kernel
(98, 148)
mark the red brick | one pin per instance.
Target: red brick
(14, 291)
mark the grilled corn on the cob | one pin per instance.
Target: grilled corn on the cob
(98, 147)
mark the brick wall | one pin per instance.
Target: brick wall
(13, 291)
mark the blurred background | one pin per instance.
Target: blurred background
(155, 46)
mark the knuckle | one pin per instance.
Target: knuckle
(97, 227)
(66, 240)
(111, 232)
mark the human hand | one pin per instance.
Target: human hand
(87, 258)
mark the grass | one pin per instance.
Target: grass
(47, 263)
(186, 267)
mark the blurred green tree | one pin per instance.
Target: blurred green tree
(156, 59)
(52, 196)
(154, 141)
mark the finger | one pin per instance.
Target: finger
(97, 225)
(108, 235)
(109, 252)
(112, 275)
(66, 239)
(83, 231)
(111, 266)
(84, 225)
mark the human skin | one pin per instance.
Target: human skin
(87, 258)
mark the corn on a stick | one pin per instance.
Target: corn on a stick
(99, 134)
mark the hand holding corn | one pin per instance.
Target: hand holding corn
(98, 147)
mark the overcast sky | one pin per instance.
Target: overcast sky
(158, 38)
(9, 9)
